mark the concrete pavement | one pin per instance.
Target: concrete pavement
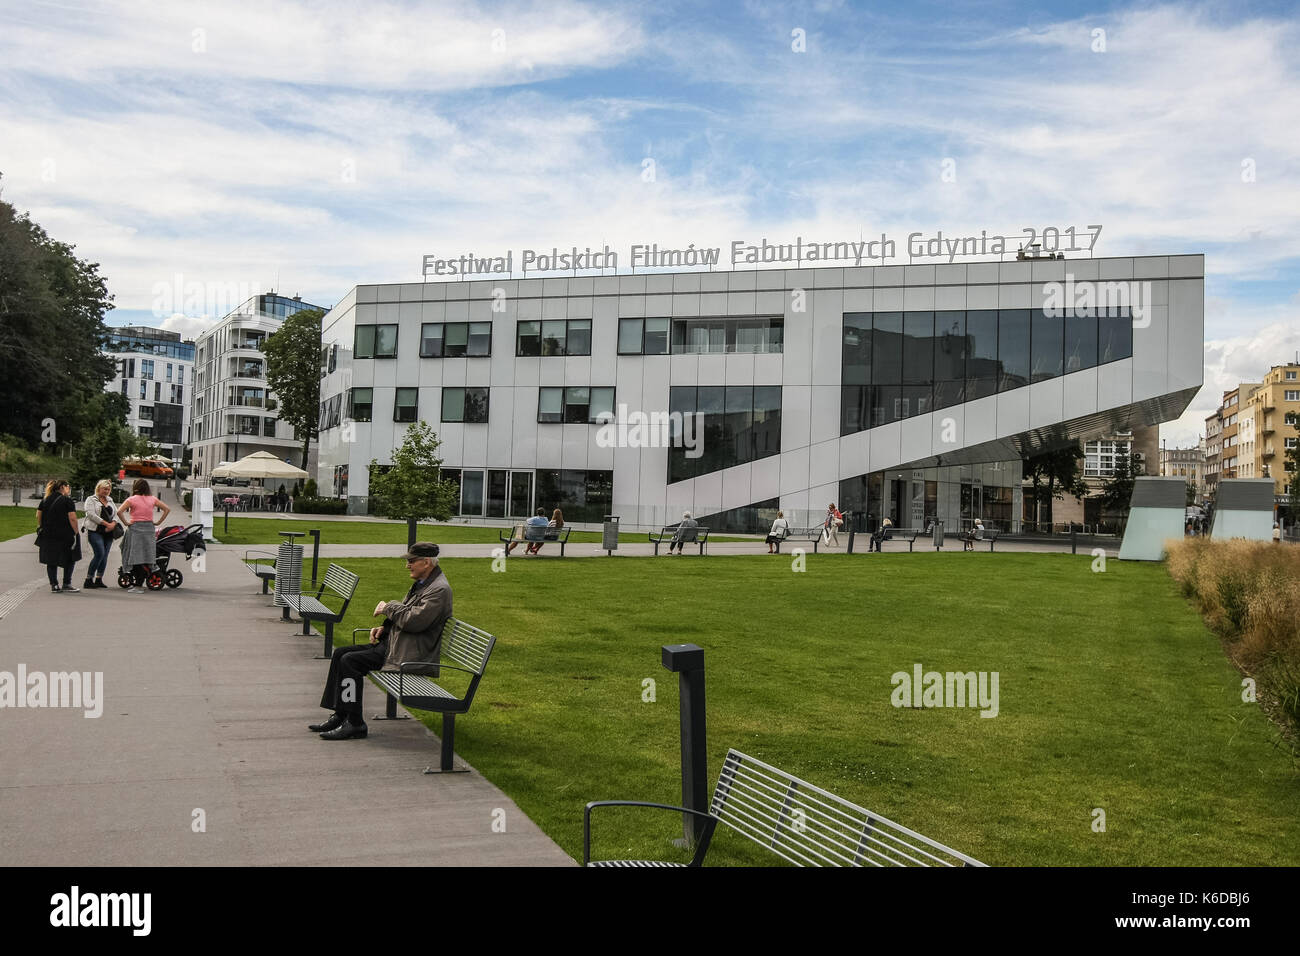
(201, 755)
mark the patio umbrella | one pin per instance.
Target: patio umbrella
(260, 464)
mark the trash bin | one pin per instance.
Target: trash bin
(938, 535)
(609, 537)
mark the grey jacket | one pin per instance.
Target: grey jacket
(413, 626)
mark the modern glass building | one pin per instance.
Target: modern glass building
(234, 410)
(155, 372)
(910, 392)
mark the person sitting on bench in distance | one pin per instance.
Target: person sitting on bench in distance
(685, 532)
(534, 530)
(412, 631)
(556, 522)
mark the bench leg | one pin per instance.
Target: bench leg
(446, 761)
(265, 583)
(284, 614)
(390, 710)
(327, 650)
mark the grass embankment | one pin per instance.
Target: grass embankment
(1112, 695)
(16, 521)
(267, 531)
(15, 459)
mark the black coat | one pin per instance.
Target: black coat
(57, 535)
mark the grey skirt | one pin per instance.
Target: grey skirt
(139, 544)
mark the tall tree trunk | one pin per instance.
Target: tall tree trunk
(306, 449)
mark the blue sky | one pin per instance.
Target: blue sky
(243, 146)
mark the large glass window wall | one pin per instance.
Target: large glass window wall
(739, 424)
(899, 364)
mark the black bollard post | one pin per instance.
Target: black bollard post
(688, 661)
(1074, 540)
(226, 526)
(315, 553)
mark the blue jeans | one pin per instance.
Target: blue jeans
(99, 563)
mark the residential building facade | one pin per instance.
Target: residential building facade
(1274, 407)
(155, 372)
(234, 411)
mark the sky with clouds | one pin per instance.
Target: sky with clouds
(309, 146)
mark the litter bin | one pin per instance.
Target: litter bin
(938, 535)
(288, 571)
(609, 537)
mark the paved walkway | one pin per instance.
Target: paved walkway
(206, 698)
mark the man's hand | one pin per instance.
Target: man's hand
(379, 608)
(375, 633)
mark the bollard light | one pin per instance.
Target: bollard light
(688, 661)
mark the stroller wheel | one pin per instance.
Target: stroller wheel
(155, 581)
(124, 579)
(174, 578)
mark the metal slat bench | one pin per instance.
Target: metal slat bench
(907, 534)
(990, 535)
(339, 581)
(464, 648)
(696, 535)
(803, 534)
(253, 560)
(800, 823)
(517, 535)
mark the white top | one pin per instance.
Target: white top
(91, 507)
(780, 527)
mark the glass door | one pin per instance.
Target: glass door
(521, 494)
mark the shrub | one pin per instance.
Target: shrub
(1249, 592)
(319, 506)
(309, 489)
(188, 500)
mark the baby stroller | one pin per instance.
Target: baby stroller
(171, 540)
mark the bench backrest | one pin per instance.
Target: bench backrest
(811, 827)
(466, 646)
(341, 581)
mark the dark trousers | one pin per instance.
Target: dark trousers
(52, 570)
(351, 664)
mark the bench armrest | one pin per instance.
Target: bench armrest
(358, 630)
(250, 556)
(710, 822)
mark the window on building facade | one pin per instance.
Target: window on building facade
(577, 405)
(1292, 396)
(705, 335)
(144, 389)
(406, 405)
(375, 341)
(643, 336)
(1290, 376)
(146, 368)
(728, 425)
(455, 339)
(468, 405)
(268, 427)
(553, 337)
(359, 404)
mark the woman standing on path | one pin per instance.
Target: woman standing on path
(58, 535)
(99, 525)
(136, 512)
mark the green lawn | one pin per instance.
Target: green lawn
(1112, 695)
(267, 531)
(16, 521)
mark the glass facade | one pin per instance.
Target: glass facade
(740, 423)
(705, 335)
(584, 496)
(468, 405)
(899, 364)
(375, 341)
(576, 405)
(455, 339)
(554, 337)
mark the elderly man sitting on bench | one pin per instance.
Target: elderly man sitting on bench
(412, 631)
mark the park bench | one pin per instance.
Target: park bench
(907, 534)
(255, 562)
(338, 581)
(518, 535)
(800, 823)
(464, 648)
(697, 535)
(988, 534)
(804, 534)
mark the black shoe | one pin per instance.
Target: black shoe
(346, 731)
(88, 584)
(335, 720)
(55, 589)
(99, 583)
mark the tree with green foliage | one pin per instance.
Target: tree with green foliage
(1117, 490)
(104, 443)
(412, 488)
(293, 372)
(52, 307)
(1054, 474)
